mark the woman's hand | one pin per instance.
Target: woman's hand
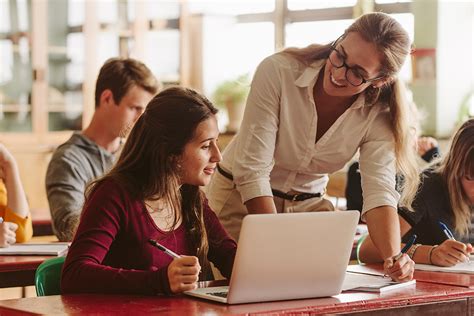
(183, 274)
(7, 234)
(450, 252)
(400, 270)
(425, 143)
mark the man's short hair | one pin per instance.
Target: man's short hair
(120, 74)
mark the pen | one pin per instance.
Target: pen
(163, 248)
(449, 234)
(405, 249)
(446, 230)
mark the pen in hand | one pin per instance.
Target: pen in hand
(450, 235)
(405, 248)
(164, 249)
(446, 230)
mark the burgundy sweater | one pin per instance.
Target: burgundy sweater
(110, 252)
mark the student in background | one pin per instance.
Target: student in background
(153, 193)
(15, 222)
(308, 112)
(446, 195)
(123, 88)
(428, 150)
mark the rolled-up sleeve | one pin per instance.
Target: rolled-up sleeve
(65, 186)
(255, 147)
(378, 165)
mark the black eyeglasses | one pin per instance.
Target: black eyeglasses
(352, 76)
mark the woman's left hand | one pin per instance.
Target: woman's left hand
(401, 270)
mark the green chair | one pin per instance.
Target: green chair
(48, 277)
(359, 244)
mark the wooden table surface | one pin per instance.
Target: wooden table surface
(20, 270)
(422, 299)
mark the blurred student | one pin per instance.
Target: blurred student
(445, 197)
(428, 150)
(123, 88)
(15, 219)
(153, 193)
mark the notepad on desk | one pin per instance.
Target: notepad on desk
(462, 267)
(372, 283)
(46, 249)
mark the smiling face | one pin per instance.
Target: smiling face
(201, 154)
(362, 57)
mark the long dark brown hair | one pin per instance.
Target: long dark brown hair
(148, 166)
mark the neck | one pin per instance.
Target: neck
(103, 138)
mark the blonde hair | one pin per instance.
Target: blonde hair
(459, 163)
(394, 45)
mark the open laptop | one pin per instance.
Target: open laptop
(288, 256)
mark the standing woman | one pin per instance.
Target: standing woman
(308, 112)
(153, 193)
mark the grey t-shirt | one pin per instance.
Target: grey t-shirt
(73, 165)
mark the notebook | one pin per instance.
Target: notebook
(462, 267)
(46, 249)
(288, 256)
(372, 283)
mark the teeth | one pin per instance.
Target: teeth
(335, 82)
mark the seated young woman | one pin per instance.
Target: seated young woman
(446, 196)
(15, 222)
(153, 192)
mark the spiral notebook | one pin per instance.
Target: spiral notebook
(46, 249)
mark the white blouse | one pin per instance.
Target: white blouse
(275, 146)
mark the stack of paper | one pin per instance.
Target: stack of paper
(372, 283)
(462, 267)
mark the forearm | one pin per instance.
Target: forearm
(384, 229)
(261, 205)
(422, 254)
(15, 194)
(65, 206)
(65, 224)
(368, 253)
(82, 276)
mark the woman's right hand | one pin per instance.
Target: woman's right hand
(183, 274)
(450, 252)
(7, 234)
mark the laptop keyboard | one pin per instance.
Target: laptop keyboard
(219, 294)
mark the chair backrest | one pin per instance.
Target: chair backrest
(48, 277)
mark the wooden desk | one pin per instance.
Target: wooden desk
(19, 270)
(42, 227)
(423, 299)
(41, 222)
